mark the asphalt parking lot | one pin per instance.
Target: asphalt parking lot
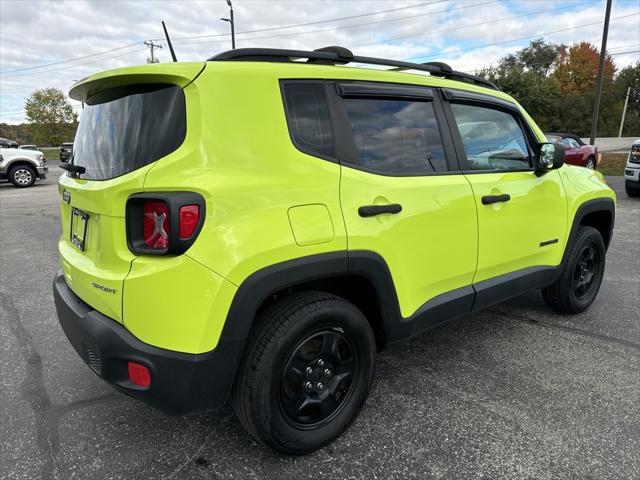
(512, 392)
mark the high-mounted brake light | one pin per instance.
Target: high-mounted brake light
(155, 228)
(189, 217)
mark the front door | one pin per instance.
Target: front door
(522, 215)
(402, 194)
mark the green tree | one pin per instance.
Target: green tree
(50, 115)
(629, 77)
(556, 85)
(538, 57)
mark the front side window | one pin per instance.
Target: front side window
(573, 143)
(123, 130)
(308, 119)
(398, 137)
(492, 139)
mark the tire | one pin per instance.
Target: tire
(581, 277)
(271, 395)
(591, 163)
(632, 191)
(22, 176)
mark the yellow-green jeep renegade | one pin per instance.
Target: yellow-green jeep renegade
(260, 224)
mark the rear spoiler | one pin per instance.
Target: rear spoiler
(181, 74)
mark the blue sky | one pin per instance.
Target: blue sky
(52, 44)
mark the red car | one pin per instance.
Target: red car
(576, 151)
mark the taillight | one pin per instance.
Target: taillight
(189, 217)
(163, 223)
(155, 226)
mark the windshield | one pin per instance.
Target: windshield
(123, 130)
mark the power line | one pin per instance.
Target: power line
(476, 24)
(458, 50)
(33, 67)
(288, 34)
(609, 52)
(343, 27)
(269, 29)
(70, 59)
(21, 74)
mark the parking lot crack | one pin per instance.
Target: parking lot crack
(35, 391)
(595, 335)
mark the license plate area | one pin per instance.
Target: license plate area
(79, 224)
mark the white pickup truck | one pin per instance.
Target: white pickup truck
(632, 171)
(22, 166)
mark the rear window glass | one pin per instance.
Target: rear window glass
(398, 137)
(308, 118)
(123, 130)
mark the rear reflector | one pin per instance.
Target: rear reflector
(156, 224)
(139, 374)
(189, 217)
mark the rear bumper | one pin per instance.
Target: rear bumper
(180, 382)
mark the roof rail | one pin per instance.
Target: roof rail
(340, 55)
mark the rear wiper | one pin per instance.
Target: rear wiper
(71, 168)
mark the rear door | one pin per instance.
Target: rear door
(401, 192)
(122, 132)
(522, 215)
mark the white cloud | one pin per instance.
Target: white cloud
(37, 33)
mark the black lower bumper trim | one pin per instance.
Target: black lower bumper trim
(180, 382)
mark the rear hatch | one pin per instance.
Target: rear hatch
(132, 118)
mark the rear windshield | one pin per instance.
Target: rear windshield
(125, 129)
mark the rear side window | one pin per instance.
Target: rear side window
(307, 114)
(125, 129)
(398, 137)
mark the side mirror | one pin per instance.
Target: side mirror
(551, 156)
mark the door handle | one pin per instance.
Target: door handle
(372, 210)
(489, 199)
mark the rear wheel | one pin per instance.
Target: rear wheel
(306, 372)
(632, 188)
(581, 277)
(22, 176)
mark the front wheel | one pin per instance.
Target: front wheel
(22, 176)
(306, 372)
(631, 189)
(581, 276)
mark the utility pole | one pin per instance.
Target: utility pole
(624, 112)
(603, 55)
(152, 46)
(233, 27)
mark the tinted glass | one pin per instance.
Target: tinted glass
(126, 131)
(493, 139)
(308, 117)
(396, 136)
(573, 143)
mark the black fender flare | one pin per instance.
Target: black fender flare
(586, 208)
(259, 286)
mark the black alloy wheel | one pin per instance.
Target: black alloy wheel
(318, 378)
(581, 273)
(585, 271)
(305, 373)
